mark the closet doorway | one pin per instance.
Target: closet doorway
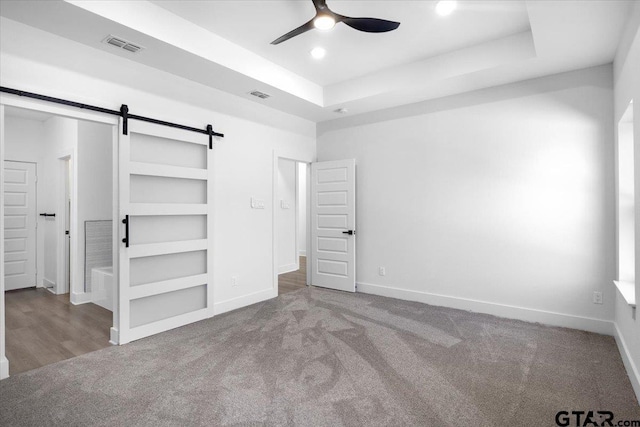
(58, 235)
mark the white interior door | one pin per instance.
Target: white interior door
(20, 225)
(165, 266)
(333, 225)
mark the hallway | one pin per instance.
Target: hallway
(289, 282)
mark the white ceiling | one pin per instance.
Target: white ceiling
(226, 45)
(350, 53)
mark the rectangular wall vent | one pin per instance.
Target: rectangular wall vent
(122, 44)
(259, 94)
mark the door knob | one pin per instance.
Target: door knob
(349, 232)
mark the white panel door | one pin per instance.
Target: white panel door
(165, 260)
(333, 224)
(20, 225)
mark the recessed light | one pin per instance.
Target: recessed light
(324, 22)
(318, 52)
(341, 111)
(445, 7)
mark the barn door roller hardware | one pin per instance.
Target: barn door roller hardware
(123, 112)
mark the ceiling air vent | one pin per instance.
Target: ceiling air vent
(131, 47)
(259, 94)
(122, 44)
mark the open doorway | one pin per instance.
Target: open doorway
(58, 198)
(291, 222)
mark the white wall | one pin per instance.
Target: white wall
(626, 89)
(61, 135)
(499, 200)
(286, 216)
(302, 209)
(95, 176)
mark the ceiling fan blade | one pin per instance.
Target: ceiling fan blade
(370, 25)
(301, 29)
(320, 4)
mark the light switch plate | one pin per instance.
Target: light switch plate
(257, 203)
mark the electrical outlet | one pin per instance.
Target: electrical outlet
(597, 297)
(382, 271)
(234, 281)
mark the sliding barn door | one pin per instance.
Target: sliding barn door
(165, 259)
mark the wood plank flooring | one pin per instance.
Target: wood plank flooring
(43, 328)
(289, 282)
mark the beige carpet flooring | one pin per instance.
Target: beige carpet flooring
(315, 357)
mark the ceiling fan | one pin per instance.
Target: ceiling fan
(325, 19)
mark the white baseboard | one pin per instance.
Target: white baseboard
(114, 336)
(511, 312)
(288, 268)
(302, 253)
(632, 370)
(243, 301)
(48, 284)
(78, 298)
(4, 368)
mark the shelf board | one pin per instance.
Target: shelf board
(628, 291)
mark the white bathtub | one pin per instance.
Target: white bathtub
(102, 287)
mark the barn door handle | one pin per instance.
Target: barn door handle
(125, 221)
(349, 232)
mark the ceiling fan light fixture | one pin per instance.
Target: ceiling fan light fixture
(318, 52)
(446, 7)
(324, 22)
(326, 19)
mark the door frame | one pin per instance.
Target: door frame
(72, 113)
(274, 209)
(70, 154)
(296, 209)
